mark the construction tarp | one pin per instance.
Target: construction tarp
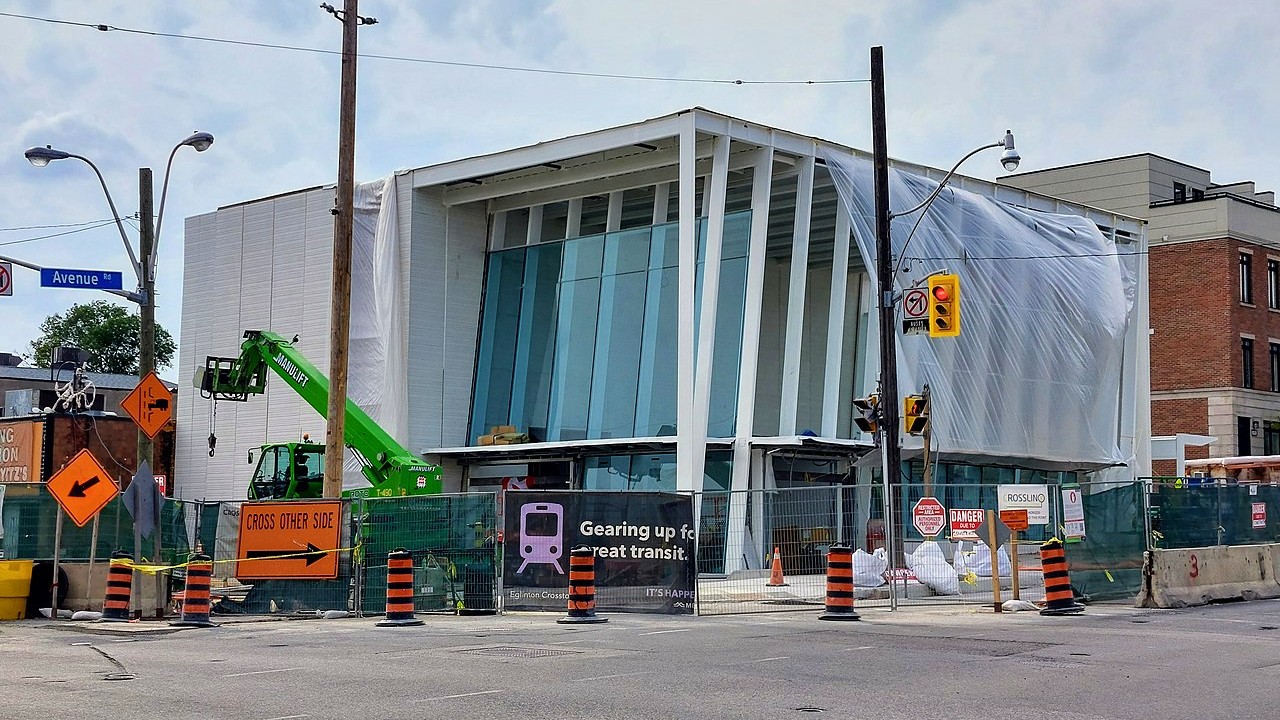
(1035, 377)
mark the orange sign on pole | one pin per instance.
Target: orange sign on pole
(150, 404)
(289, 540)
(1015, 519)
(82, 487)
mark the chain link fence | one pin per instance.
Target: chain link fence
(1203, 512)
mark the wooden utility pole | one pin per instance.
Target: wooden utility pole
(343, 218)
(889, 418)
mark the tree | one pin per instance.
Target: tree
(107, 330)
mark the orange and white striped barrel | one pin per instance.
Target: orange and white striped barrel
(399, 590)
(115, 603)
(582, 587)
(840, 584)
(1058, 595)
(195, 595)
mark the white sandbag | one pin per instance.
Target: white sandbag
(980, 564)
(868, 568)
(1018, 606)
(931, 567)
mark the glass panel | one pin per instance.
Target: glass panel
(491, 402)
(579, 302)
(535, 352)
(516, 231)
(595, 214)
(618, 335)
(656, 389)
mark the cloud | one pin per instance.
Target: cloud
(1075, 81)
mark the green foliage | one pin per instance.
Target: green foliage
(107, 330)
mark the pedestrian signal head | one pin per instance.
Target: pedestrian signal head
(944, 305)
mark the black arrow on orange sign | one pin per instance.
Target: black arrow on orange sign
(78, 488)
(312, 554)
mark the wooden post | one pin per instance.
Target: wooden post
(995, 560)
(1013, 558)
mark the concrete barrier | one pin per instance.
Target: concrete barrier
(83, 596)
(1198, 576)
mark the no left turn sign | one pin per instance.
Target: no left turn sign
(915, 303)
(6, 278)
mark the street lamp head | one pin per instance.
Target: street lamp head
(1010, 157)
(41, 156)
(198, 140)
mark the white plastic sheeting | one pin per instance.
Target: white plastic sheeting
(1035, 377)
(377, 372)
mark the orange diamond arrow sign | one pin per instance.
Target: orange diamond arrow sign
(150, 404)
(82, 487)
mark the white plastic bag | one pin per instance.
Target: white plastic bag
(868, 568)
(981, 562)
(931, 567)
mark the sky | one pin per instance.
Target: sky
(1075, 81)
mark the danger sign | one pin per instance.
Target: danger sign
(929, 516)
(965, 522)
(1259, 515)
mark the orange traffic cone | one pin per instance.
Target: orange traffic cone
(775, 574)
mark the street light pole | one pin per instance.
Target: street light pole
(147, 309)
(889, 449)
(144, 262)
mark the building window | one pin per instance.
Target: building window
(1246, 365)
(1246, 278)
(1273, 284)
(1275, 367)
(1179, 192)
(1271, 439)
(1242, 436)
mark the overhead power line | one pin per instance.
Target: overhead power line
(54, 235)
(61, 225)
(431, 61)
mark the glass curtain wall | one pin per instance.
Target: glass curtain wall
(578, 337)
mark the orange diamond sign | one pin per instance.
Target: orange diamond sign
(82, 487)
(150, 404)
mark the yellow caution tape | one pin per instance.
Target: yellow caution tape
(970, 577)
(1108, 574)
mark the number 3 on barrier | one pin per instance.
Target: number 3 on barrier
(1195, 567)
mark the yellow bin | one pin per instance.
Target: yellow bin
(15, 586)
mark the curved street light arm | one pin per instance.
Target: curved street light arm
(164, 192)
(133, 258)
(933, 196)
(945, 180)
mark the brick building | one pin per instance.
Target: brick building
(1215, 294)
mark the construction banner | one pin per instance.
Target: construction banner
(643, 543)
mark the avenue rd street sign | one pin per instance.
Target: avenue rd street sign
(82, 487)
(83, 279)
(289, 540)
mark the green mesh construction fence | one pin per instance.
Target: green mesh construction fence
(1186, 514)
(1107, 563)
(30, 518)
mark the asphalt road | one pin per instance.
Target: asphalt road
(1113, 662)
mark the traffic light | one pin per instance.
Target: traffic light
(944, 305)
(867, 415)
(915, 414)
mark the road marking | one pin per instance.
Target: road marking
(460, 695)
(261, 672)
(606, 677)
(780, 657)
(663, 632)
(288, 717)
(566, 642)
(862, 647)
